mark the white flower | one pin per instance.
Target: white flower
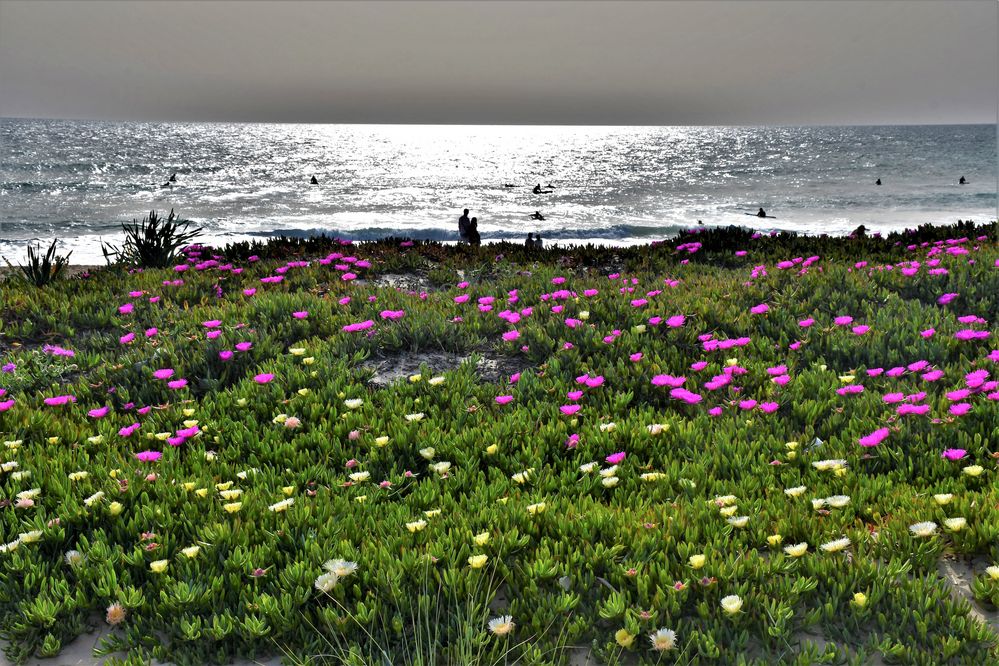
(796, 550)
(663, 640)
(925, 529)
(608, 427)
(652, 476)
(609, 471)
(838, 501)
(943, 498)
(826, 465)
(522, 477)
(359, 476)
(30, 537)
(353, 403)
(191, 551)
(428, 452)
(77, 476)
(416, 525)
(795, 492)
(93, 499)
(656, 429)
(502, 625)
(442, 467)
(609, 481)
(835, 545)
(992, 572)
(955, 524)
(282, 505)
(732, 603)
(435, 381)
(415, 417)
(728, 511)
(534, 509)
(74, 558)
(738, 521)
(586, 468)
(29, 494)
(326, 582)
(725, 500)
(341, 568)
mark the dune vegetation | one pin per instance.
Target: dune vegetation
(723, 448)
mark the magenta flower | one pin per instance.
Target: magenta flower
(6, 404)
(668, 380)
(805, 323)
(969, 334)
(686, 396)
(59, 400)
(249, 292)
(676, 321)
(746, 405)
(152, 332)
(572, 442)
(127, 338)
(99, 413)
(148, 456)
(594, 382)
(569, 410)
(844, 320)
(768, 407)
(946, 298)
(213, 323)
(225, 354)
(177, 384)
(616, 458)
(393, 314)
(126, 308)
(264, 378)
(875, 438)
(504, 399)
(759, 309)
(244, 346)
(960, 408)
(510, 336)
(359, 326)
(860, 330)
(574, 395)
(953, 454)
(514, 378)
(698, 366)
(301, 314)
(128, 431)
(635, 358)
(165, 373)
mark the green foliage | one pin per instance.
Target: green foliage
(152, 243)
(41, 270)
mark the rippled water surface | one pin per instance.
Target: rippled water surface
(80, 180)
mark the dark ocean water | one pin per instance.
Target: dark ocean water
(79, 180)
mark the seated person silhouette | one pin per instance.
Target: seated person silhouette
(537, 215)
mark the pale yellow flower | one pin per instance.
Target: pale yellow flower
(159, 566)
(477, 561)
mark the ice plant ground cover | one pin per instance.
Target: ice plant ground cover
(718, 448)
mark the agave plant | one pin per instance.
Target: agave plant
(41, 270)
(152, 243)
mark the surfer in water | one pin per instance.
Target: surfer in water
(877, 182)
(172, 178)
(537, 190)
(314, 181)
(962, 181)
(537, 215)
(761, 213)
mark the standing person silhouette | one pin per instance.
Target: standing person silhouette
(530, 239)
(463, 225)
(473, 232)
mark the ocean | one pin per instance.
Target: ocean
(79, 180)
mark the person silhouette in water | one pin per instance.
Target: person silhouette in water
(314, 181)
(877, 182)
(962, 181)
(761, 213)
(537, 215)
(172, 178)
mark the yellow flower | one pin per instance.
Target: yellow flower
(639, 329)
(308, 360)
(96, 439)
(159, 566)
(54, 440)
(775, 539)
(732, 604)
(623, 638)
(859, 599)
(360, 498)
(481, 539)
(846, 379)
(428, 453)
(797, 550)
(535, 509)
(230, 494)
(241, 402)
(288, 490)
(430, 513)
(191, 551)
(279, 419)
(795, 492)
(955, 524)
(791, 446)
(697, 561)
(415, 378)
(731, 362)
(584, 315)
(223, 486)
(77, 476)
(728, 511)
(943, 498)
(303, 391)
(297, 351)
(492, 449)
(973, 470)
(115, 508)
(162, 436)
(477, 561)
(232, 507)
(201, 492)
(435, 381)
(738, 521)
(992, 572)
(382, 441)
(188, 412)
(283, 505)
(416, 526)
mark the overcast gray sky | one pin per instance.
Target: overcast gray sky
(569, 62)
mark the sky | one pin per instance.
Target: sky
(742, 62)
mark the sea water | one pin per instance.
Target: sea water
(79, 180)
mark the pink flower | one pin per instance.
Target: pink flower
(572, 442)
(676, 321)
(249, 292)
(747, 404)
(127, 338)
(359, 326)
(6, 404)
(668, 380)
(244, 346)
(860, 330)
(960, 408)
(177, 384)
(463, 298)
(969, 334)
(574, 395)
(126, 308)
(946, 298)
(148, 456)
(152, 332)
(225, 354)
(635, 358)
(504, 399)
(759, 309)
(510, 336)
(165, 373)
(686, 396)
(805, 323)
(768, 407)
(715, 411)
(59, 400)
(844, 320)
(953, 454)
(514, 378)
(213, 323)
(569, 410)
(875, 438)
(393, 314)
(928, 333)
(302, 314)
(211, 335)
(99, 413)
(128, 431)
(616, 458)
(698, 366)
(594, 382)
(264, 378)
